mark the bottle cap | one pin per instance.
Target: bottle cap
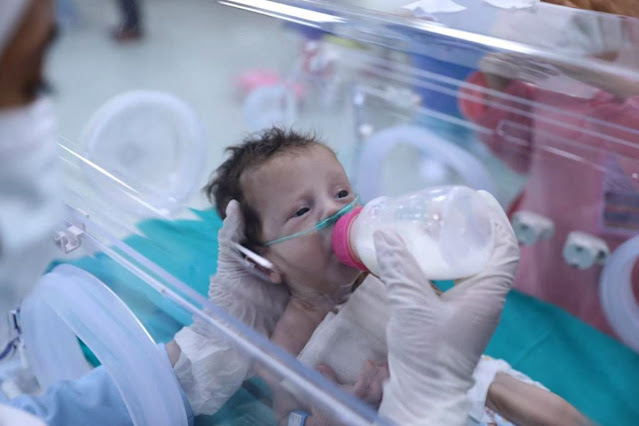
(341, 245)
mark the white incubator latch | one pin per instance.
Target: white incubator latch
(69, 239)
(530, 227)
(583, 251)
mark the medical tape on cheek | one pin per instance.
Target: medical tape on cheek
(324, 223)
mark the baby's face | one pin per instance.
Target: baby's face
(292, 192)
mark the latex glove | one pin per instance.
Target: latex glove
(249, 298)
(210, 368)
(435, 342)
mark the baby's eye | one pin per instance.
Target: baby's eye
(343, 194)
(301, 212)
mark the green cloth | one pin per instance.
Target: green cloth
(592, 371)
(589, 369)
(586, 367)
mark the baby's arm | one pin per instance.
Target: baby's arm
(370, 385)
(525, 404)
(292, 332)
(369, 388)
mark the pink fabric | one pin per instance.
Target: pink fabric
(251, 80)
(567, 169)
(254, 79)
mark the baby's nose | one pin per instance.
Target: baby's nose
(333, 209)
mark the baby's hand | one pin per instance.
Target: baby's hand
(370, 385)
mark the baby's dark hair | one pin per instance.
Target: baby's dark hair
(225, 184)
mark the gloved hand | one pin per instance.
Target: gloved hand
(435, 342)
(249, 298)
(210, 368)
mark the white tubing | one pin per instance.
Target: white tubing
(375, 149)
(615, 291)
(52, 349)
(105, 324)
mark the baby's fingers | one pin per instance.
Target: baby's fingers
(363, 383)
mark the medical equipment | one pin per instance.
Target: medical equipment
(274, 100)
(616, 291)
(151, 138)
(402, 145)
(141, 303)
(109, 328)
(439, 155)
(522, 139)
(583, 251)
(448, 229)
(270, 106)
(142, 232)
(530, 228)
(322, 224)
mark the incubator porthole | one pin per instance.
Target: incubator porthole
(145, 152)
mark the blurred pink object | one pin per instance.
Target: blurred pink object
(254, 79)
(577, 153)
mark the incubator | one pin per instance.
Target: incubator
(536, 104)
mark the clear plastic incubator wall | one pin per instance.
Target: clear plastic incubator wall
(537, 104)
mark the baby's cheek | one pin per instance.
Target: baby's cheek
(308, 250)
(304, 256)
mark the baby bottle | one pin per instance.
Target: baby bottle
(447, 229)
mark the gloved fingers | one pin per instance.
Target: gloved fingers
(233, 225)
(400, 272)
(478, 301)
(232, 232)
(497, 277)
(498, 213)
